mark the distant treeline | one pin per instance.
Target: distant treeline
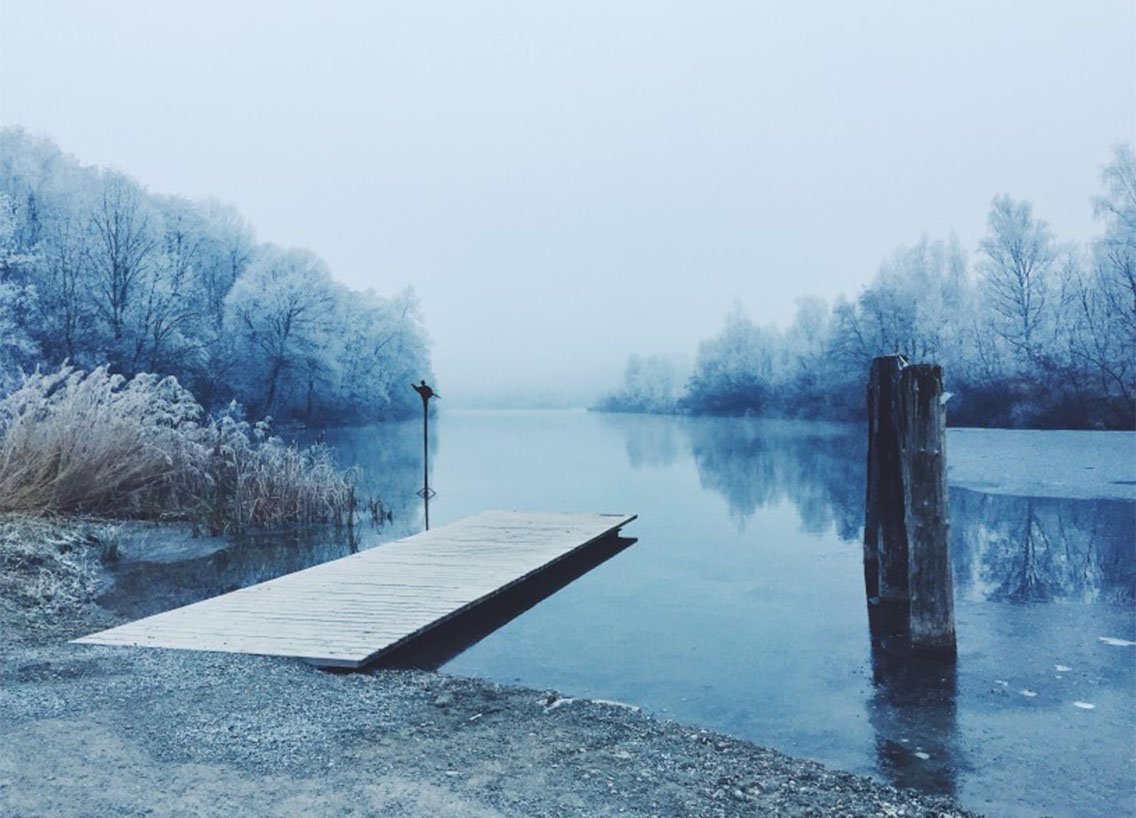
(1034, 333)
(96, 270)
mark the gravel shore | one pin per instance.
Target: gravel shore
(88, 731)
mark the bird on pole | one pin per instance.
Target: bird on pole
(425, 391)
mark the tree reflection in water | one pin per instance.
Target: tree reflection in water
(1004, 547)
(1041, 549)
(819, 467)
(651, 441)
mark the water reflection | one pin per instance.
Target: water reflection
(1017, 553)
(819, 467)
(1041, 549)
(1004, 547)
(913, 711)
(389, 457)
(651, 441)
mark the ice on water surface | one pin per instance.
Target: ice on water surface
(1118, 643)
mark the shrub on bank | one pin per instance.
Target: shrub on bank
(100, 444)
(48, 568)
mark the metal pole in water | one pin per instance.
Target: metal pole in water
(425, 392)
(426, 461)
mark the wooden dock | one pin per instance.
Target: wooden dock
(351, 611)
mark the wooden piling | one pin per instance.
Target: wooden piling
(924, 446)
(907, 563)
(885, 548)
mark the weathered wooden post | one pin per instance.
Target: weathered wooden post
(885, 549)
(924, 446)
(907, 561)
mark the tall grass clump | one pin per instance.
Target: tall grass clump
(95, 443)
(258, 481)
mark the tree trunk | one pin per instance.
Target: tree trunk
(273, 378)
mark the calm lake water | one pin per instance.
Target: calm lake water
(741, 607)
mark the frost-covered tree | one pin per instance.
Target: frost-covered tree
(17, 347)
(96, 270)
(1019, 253)
(171, 302)
(810, 370)
(734, 370)
(1106, 292)
(384, 350)
(1046, 336)
(650, 384)
(912, 304)
(277, 313)
(227, 247)
(123, 254)
(65, 309)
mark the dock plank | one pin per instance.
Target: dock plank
(350, 611)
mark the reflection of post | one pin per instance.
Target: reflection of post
(907, 568)
(425, 392)
(914, 715)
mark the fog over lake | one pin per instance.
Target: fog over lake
(565, 185)
(628, 258)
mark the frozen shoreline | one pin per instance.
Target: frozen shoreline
(93, 732)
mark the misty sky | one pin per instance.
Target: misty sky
(566, 183)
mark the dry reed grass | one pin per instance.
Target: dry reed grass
(100, 444)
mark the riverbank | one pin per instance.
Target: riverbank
(92, 732)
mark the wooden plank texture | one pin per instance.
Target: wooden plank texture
(350, 611)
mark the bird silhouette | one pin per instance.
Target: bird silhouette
(425, 391)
